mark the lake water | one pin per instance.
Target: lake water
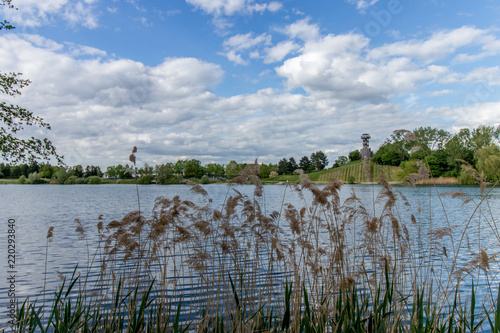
(35, 208)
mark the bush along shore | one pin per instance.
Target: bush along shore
(328, 266)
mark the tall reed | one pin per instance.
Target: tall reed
(330, 265)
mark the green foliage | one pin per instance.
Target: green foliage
(146, 179)
(215, 170)
(92, 170)
(146, 170)
(164, 172)
(93, 180)
(273, 175)
(407, 168)
(232, 169)
(265, 169)
(34, 178)
(205, 180)
(354, 155)
(61, 175)
(488, 161)
(22, 179)
(466, 176)
(287, 166)
(179, 167)
(319, 161)
(193, 169)
(340, 161)
(48, 171)
(391, 153)
(351, 179)
(77, 171)
(4, 170)
(429, 139)
(305, 164)
(14, 118)
(71, 180)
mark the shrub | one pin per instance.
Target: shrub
(34, 178)
(146, 179)
(351, 179)
(22, 179)
(71, 180)
(273, 174)
(94, 180)
(205, 180)
(466, 178)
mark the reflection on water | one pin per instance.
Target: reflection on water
(36, 208)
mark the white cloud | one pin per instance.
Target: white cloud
(490, 75)
(237, 44)
(231, 7)
(302, 29)
(438, 46)
(35, 13)
(99, 107)
(279, 51)
(441, 92)
(362, 5)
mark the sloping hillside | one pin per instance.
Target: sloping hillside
(357, 170)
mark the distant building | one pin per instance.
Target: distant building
(366, 152)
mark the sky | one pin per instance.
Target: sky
(221, 80)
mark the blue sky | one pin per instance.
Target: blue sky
(217, 80)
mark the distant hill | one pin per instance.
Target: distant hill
(356, 169)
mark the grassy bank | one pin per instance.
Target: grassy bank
(327, 265)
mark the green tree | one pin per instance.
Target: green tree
(93, 180)
(14, 118)
(283, 166)
(429, 139)
(465, 144)
(407, 168)
(47, 171)
(319, 161)
(77, 171)
(215, 170)
(391, 153)
(111, 172)
(145, 179)
(34, 178)
(71, 180)
(179, 167)
(146, 170)
(488, 161)
(193, 169)
(305, 164)
(4, 170)
(354, 155)
(484, 136)
(164, 172)
(232, 169)
(92, 170)
(291, 165)
(62, 175)
(340, 161)
(265, 170)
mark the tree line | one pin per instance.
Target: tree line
(444, 154)
(167, 173)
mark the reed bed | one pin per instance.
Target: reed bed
(438, 181)
(328, 266)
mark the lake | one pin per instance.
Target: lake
(35, 208)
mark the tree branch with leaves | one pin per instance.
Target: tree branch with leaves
(14, 118)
